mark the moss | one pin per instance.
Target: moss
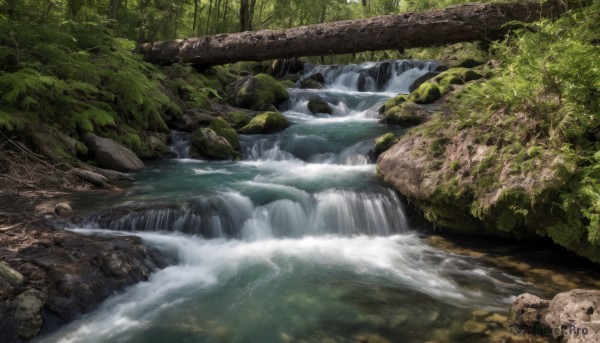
(237, 119)
(316, 105)
(468, 63)
(209, 144)
(288, 83)
(427, 93)
(268, 122)
(455, 166)
(438, 146)
(407, 113)
(471, 75)
(383, 143)
(223, 129)
(260, 93)
(395, 101)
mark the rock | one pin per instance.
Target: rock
(156, 144)
(369, 337)
(422, 79)
(260, 93)
(194, 118)
(266, 123)
(310, 84)
(11, 276)
(393, 102)
(497, 318)
(209, 144)
(473, 326)
(316, 105)
(223, 129)
(28, 313)
(407, 113)
(63, 209)
(383, 142)
(468, 63)
(237, 119)
(480, 313)
(54, 144)
(427, 93)
(576, 312)
(112, 155)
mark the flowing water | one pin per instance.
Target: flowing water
(297, 242)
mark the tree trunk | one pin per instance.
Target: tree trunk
(195, 15)
(469, 22)
(209, 14)
(114, 9)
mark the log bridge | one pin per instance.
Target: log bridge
(461, 23)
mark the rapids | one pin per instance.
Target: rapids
(297, 242)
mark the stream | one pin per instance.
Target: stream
(299, 241)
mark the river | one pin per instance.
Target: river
(299, 241)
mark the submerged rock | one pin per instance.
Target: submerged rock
(28, 313)
(112, 155)
(260, 93)
(209, 144)
(316, 105)
(269, 122)
(13, 277)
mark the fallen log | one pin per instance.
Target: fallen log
(462, 23)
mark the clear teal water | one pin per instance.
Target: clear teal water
(297, 242)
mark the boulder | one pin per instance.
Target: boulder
(383, 142)
(63, 209)
(317, 105)
(395, 101)
(422, 79)
(223, 129)
(260, 93)
(208, 143)
(54, 144)
(407, 113)
(238, 119)
(112, 155)
(28, 313)
(269, 122)
(427, 93)
(572, 317)
(315, 81)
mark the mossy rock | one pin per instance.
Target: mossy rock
(237, 119)
(223, 129)
(471, 75)
(311, 84)
(316, 105)
(407, 113)
(288, 84)
(427, 93)
(467, 63)
(259, 93)
(268, 122)
(157, 146)
(383, 143)
(395, 101)
(209, 144)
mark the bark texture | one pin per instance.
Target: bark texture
(469, 22)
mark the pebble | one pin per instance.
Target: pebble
(497, 318)
(472, 326)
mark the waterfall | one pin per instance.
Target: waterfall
(180, 145)
(395, 76)
(232, 215)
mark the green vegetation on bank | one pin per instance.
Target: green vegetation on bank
(521, 151)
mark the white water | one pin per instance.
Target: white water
(298, 242)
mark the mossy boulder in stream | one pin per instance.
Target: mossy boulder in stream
(395, 101)
(384, 142)
(407, 113)
(260, 93)
(269, 122)
(223, 129)
(427, 93)
(316, 105)
(237, 119)
(207, 143)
